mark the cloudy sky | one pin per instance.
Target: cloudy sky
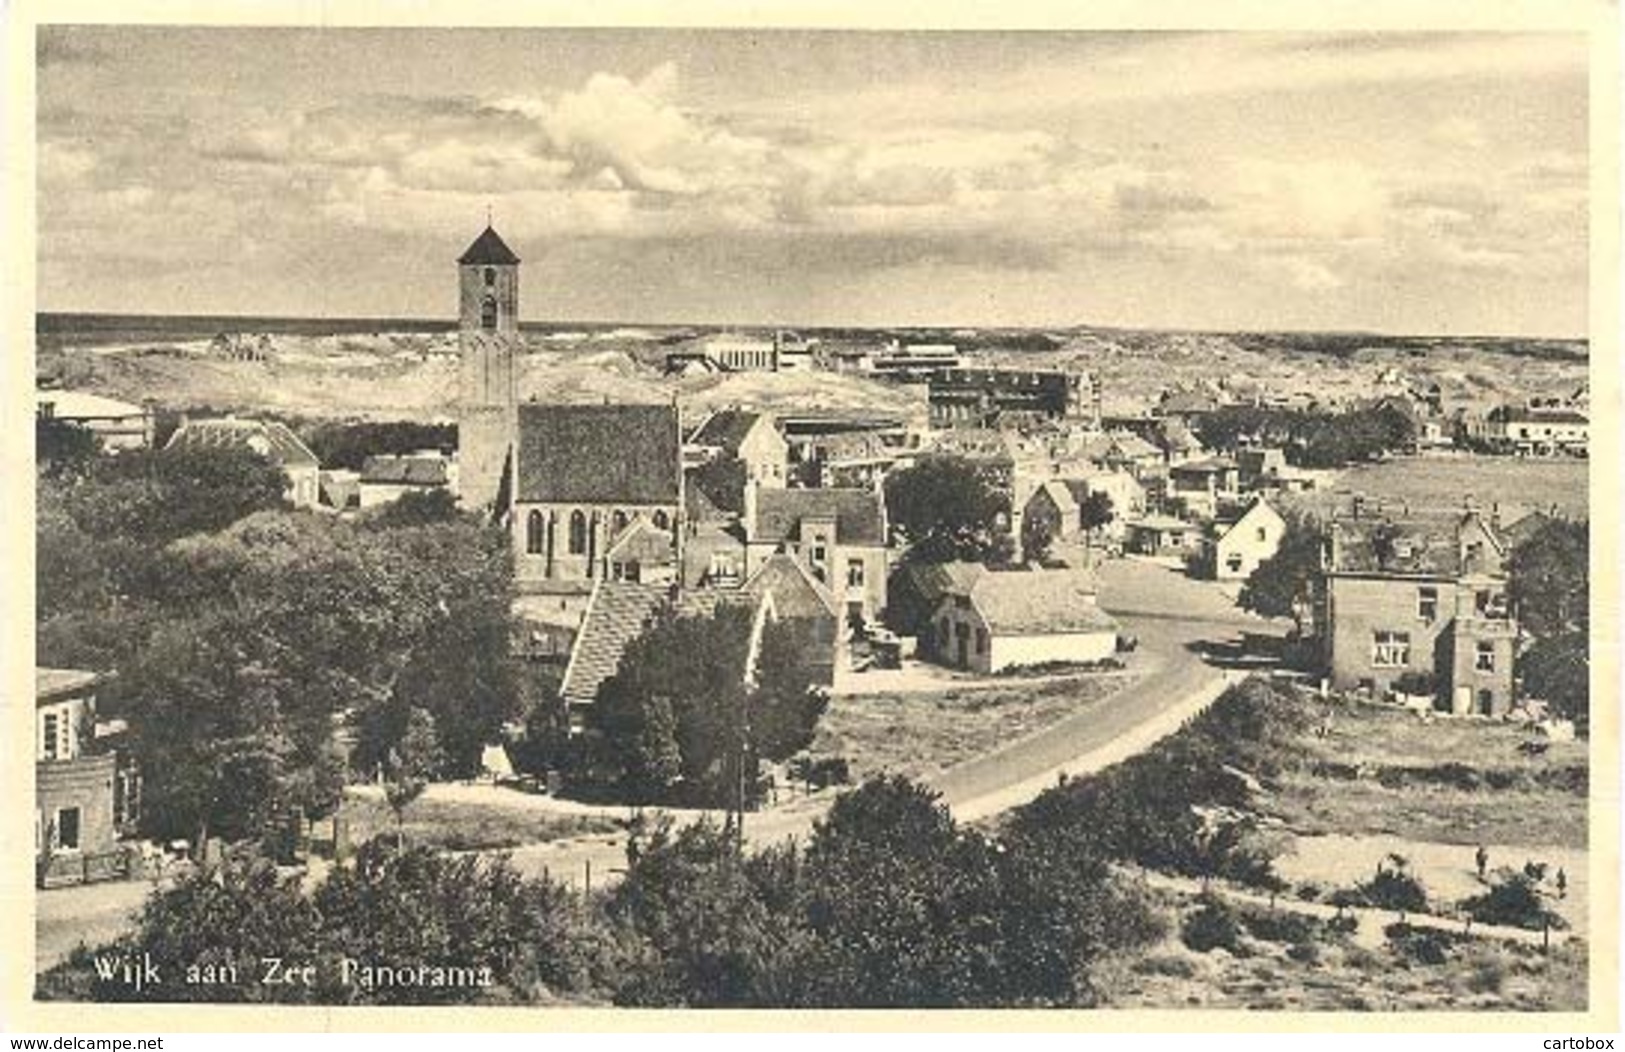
(1401, 182)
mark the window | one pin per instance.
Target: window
(981, 640)
(67, 829)
(51, 734)
(1427, 602)
(535, 533)
(1263, 534)
(490, 277)
(488, 313)
(618, 522)
(724, 565)
(630, 570)
(1484, 659)
(854, 573)
(1391, 649)
(1234, 562)
(578, 533)
(662, 520)
(818, 554)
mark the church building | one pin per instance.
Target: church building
(587, 491)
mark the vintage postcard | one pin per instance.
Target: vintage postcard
(1086, 521)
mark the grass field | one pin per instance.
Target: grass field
(1287, 970)
(916, 733)
(1382, 771)
(1433, 485)
(460, 826)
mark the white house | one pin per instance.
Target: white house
(388, 477)
(1248, 541)
(119, 425)
(270, 439)
(1022, 617)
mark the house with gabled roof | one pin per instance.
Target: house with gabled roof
(1006, 619)
(1419, 603)
(272, 440)
(388, 477)
(838, 535)
(582, 475)
(1237, 548)
(750, 437)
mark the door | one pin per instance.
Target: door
(962, 635)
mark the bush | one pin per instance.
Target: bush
(1394, 888)
(1304, 952)
(1514, 900)
(1421, 945)
(1279, 927)
(1212, 926)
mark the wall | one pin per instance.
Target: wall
(85, 783)
(1361, 606)
(1033, 650)
(563, 566)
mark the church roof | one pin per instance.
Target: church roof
(598, 454)
(488, 248)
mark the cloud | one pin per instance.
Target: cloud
(1460, 133)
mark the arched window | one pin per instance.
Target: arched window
(488, 313)
(535, 533)
(578, 533)
(662, 520)
(617, 522)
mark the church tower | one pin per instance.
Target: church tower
(488, 340)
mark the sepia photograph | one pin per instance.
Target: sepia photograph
(754, 517)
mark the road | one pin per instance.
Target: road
(1177, 621)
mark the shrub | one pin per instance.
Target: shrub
(1421, 945)
(1278, 927)
(1212, 926)
(1304, 952)
(1515, 900)
(1394, 887)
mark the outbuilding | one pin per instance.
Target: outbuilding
(1022, 617)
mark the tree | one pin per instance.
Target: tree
(1283, 584)
(413, 763)
(946, 510)
(1514, 899)
(417, 509)
(1550, 578)
(1095, 512)
(722, 480)
(1557, 670)
(684, 708)
(1039, 528)
(63, 449)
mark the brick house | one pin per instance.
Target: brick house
(839, 535)
(1423, 602)
(85, 797)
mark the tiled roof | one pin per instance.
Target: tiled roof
(1419, 547)
(268, 438)
(726, 428)
(644, 542)
(617, 613)
(795, 594)
(1039, 602)
(51, 683)
(598, 454)
(1519, 414)
(488, 248)
(1211, 466)
(1160, 522)
(82, 405)
(857, 514)
(405, 470)
(934, 580)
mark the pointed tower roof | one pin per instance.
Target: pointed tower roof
(488, 248)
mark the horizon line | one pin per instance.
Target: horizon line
(943, 326)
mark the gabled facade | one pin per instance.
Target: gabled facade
(839, 535)
(1018, 618)
(272, 440)
(1242, 545)
(751, 438)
